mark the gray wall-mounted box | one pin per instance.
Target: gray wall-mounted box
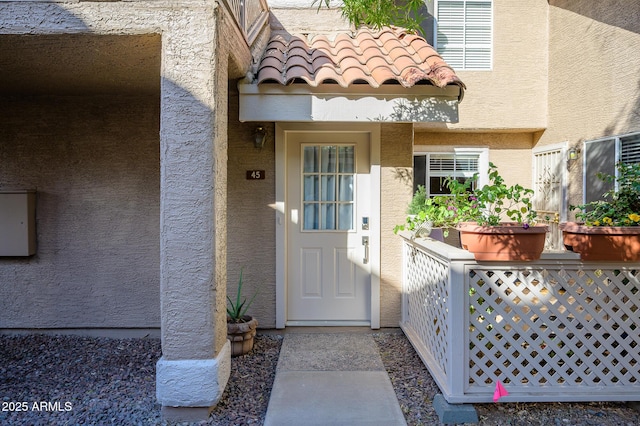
(17, 223)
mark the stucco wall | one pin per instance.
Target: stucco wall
(251, 239)
(510, 152)
(300, 16)
(96, 171)
(593, 75)
(513, 95)
(396, 187)
(594, 68)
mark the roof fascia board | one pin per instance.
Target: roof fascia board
(329, 103)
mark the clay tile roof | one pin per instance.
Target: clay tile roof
(390, 55)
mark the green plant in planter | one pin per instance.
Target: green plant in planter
(441, 211)
(237, 310)
(500, 200)
(619, 207)
(504, 228)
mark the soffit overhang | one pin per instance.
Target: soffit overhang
(387, 76)
(331, 103)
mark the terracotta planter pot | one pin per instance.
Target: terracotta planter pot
(620, 243)
(508, 241)
(241, 335)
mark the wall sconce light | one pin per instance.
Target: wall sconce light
(259, 136)
(573, 154)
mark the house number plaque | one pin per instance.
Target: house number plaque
(255, 174)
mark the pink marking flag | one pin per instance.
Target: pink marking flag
(499, 392)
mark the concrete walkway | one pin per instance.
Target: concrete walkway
(332, 379)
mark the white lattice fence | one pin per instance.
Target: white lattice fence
(548, 330)
(426, 298)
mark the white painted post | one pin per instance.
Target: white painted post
(457, 318)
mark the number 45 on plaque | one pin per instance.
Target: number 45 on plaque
(255, 174)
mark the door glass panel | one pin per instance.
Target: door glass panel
(328, 159)
(328, 215)
(345, 188)
(310, 159)
(345, 217)
(346, 159)
(328, 187)
(310, 188)
(311, 216)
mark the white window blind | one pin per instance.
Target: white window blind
(630, 149)
(464, 33)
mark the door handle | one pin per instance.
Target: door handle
(365, 243)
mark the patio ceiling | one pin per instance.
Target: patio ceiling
(79, 64)
(386, 75)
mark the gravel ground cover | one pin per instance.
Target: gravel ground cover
(415, 390)
(69, 380)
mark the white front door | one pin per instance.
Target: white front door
(328, 279)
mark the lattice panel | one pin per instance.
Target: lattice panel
(554, 327)
(428, 296)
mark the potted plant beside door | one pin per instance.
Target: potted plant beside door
(490, 237)
(241, 328)
(609, 228)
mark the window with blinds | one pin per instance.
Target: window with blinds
(601, 156)
(464, 33)
(432, 170)
(630, 148)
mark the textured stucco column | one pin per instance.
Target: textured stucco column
(195, 363)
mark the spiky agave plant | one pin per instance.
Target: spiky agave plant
(237, 310)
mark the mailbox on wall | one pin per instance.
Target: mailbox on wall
(17, 223)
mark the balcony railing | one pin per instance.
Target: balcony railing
(250, 15)
(557, 329)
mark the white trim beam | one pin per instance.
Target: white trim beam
(331, 103)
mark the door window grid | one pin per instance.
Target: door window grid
(328, 192)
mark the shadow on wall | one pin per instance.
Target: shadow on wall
(98, 213)
(615, 13)
(404, 175)
(607, 12)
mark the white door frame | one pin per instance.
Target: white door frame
(281, 208)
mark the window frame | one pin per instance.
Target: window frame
(483, 161)
(465, 29)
